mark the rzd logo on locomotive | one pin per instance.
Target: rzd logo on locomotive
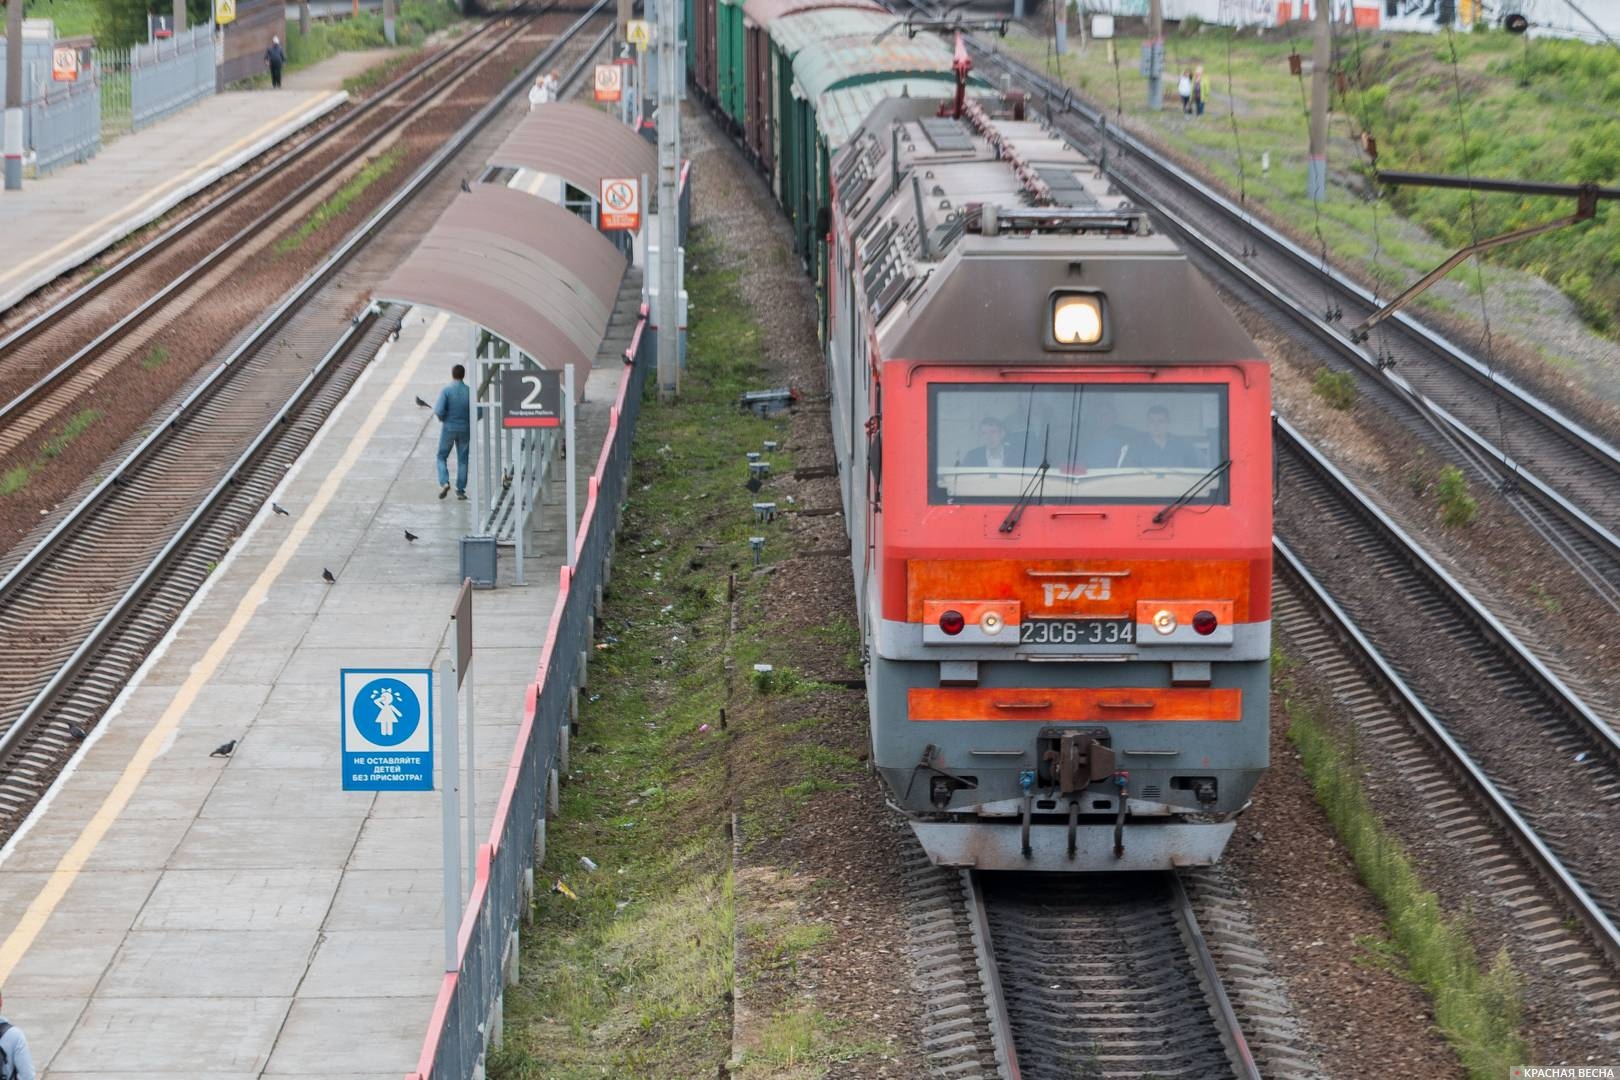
(1097, 588)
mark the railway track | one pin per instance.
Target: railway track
(1526, 747)
(89, 600)
(1111, 977)
(1563, 478)
(57, 359)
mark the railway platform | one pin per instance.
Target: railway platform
(68, 217)
(171, 913)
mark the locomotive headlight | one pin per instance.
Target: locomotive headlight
(1077, 319)
(991, 623)
(1164, 621)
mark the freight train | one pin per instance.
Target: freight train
(1054, 450)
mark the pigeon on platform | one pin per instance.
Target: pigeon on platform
(466, 186)
(327, 574)
(278, 508)
(224, 749)
(422, 403)
(78, 733)
(410, 537)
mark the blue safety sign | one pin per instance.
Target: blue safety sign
(387, 733)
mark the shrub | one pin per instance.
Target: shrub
(1457, 505)
(1337, 388)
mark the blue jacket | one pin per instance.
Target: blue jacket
(15, 1048)
(454, 407)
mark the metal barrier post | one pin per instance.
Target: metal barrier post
(450, 773)
(572, 450)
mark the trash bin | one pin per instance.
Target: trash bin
(478, 561)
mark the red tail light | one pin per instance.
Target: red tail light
(952, 622)
(1205, 623)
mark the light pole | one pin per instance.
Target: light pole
(14, 112)
(669, 167)
(1321, 61)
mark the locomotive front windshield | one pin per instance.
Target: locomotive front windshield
(1076, 442)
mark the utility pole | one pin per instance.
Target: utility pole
(1153, 55)
(627, 11)
(669, 199)
(179, 16)
(1321, 61)
(14, 112)
(388, 20)
(303, 18)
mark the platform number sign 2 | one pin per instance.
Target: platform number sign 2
(531, 399)
(621, 204)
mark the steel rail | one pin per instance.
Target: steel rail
(1501, 806)
(1226, 1016)
(1001, 1034)
(1466, 361)
(136, 316)
(35, 712)
(1470, 444)
(181, 229)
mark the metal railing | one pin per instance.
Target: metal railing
(167, 75)
(112, 70)
(469, 996)
(64, 123)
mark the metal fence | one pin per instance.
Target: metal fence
(470, 997)
(112, 68)
(167, 75)
(64, 123)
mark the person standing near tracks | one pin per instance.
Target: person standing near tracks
(1198, 91)
(16, 1063)
(454, 410)
(1184, 88)
(275, 56)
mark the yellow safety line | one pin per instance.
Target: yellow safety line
(56, 886)
(156, 192)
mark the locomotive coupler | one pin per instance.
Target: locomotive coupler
(1073, 758)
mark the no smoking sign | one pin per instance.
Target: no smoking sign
(621, 204)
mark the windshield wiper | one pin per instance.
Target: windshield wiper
(1191, 493)
(1037, 484)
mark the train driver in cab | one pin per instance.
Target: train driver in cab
(1160, 448)
(992, 452)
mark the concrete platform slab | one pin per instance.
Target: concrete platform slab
(61, 220)
(318, 1037)
(292, 898)
(194, 1037)
(208, 963)
(372, 964)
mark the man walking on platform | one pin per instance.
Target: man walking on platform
(275, 56)
(454, 410)
(16, 1063)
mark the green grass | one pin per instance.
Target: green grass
(17, 477)
(73, 18)
(155, 358)
(1337, 388)
(1477, 1005)
(340, 200)
(416, 20)
(1563, 126)
(633, 978)
(1458, 507)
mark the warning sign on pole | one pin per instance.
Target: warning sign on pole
(609, 82)
(224, 11)
(621, 204)
(65, 64)
(638, 32)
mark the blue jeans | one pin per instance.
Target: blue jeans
(462, 441)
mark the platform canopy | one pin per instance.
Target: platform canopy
(578, 143)
(523, 268)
